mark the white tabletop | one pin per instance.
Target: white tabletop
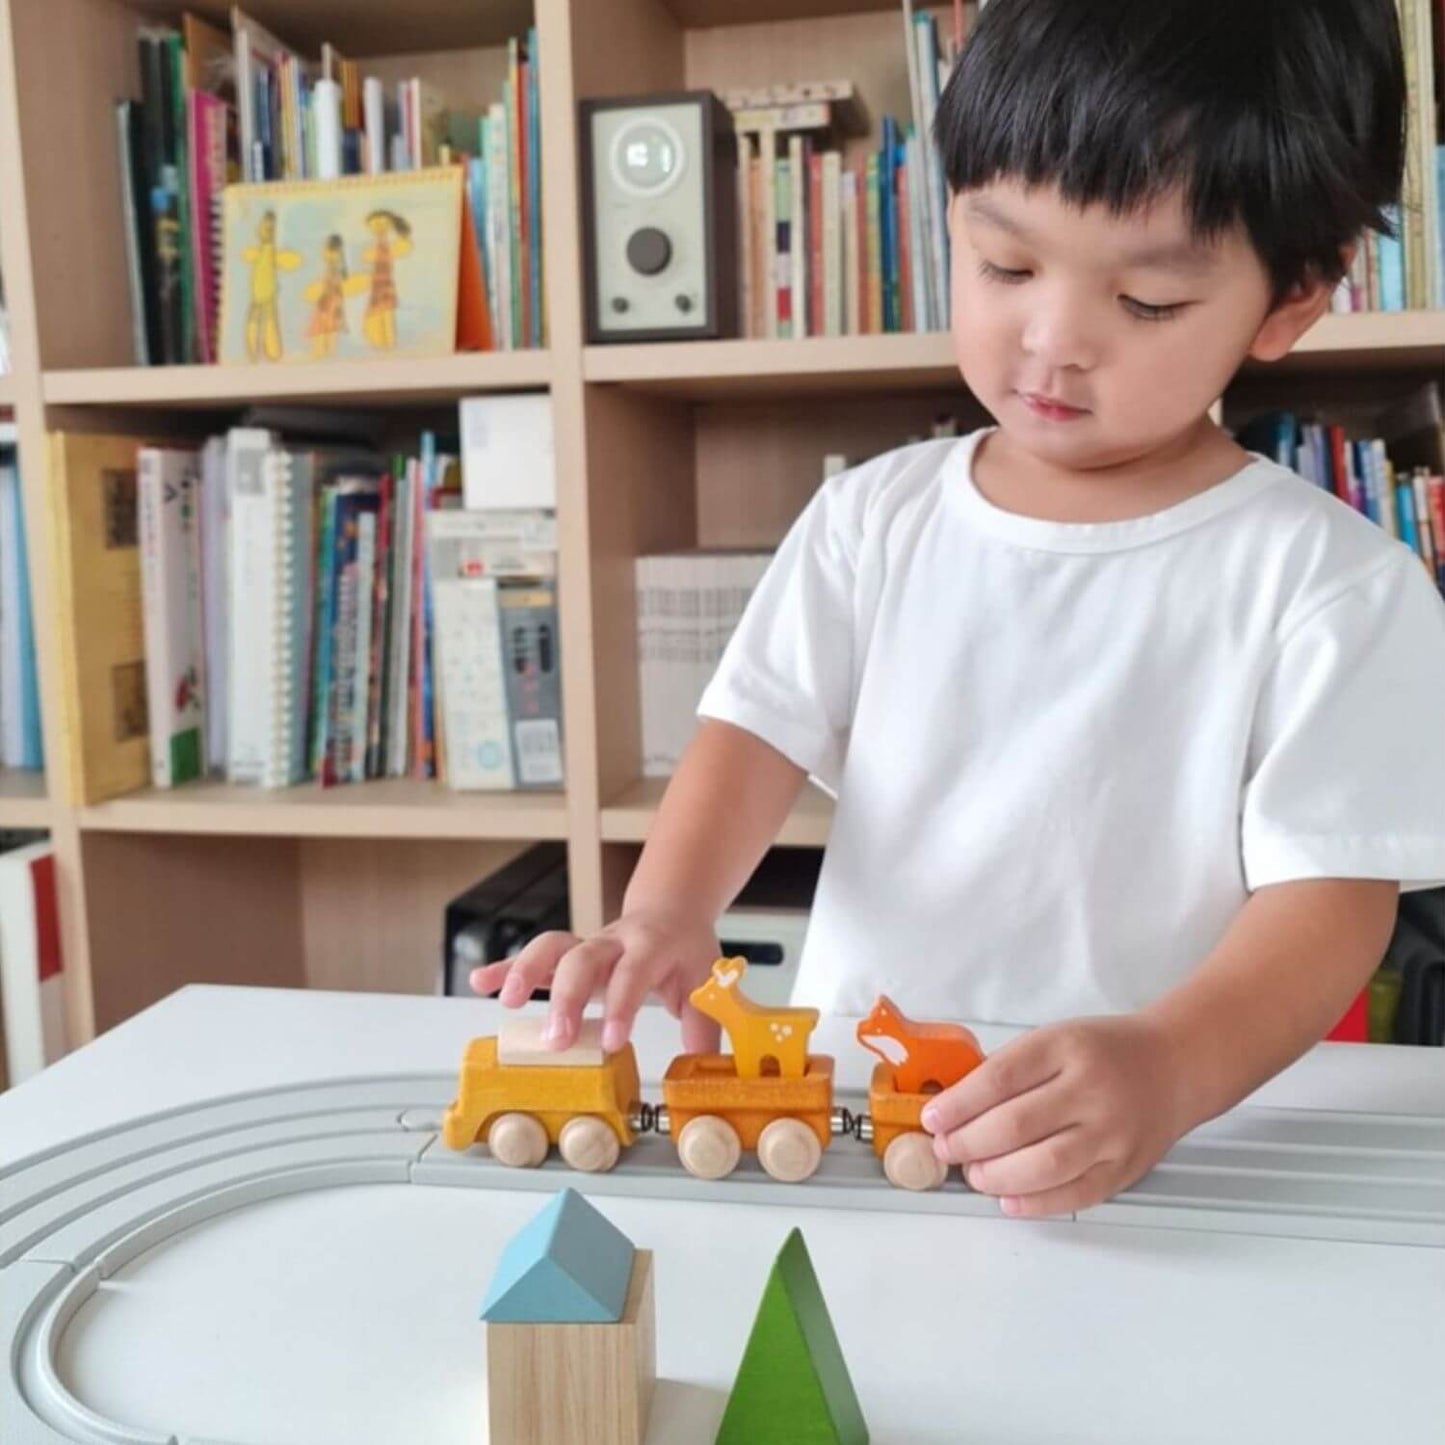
(357, 1306)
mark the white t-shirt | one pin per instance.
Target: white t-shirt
(1064, 754)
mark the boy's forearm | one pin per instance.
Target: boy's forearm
(724, 806)
(1279, 980)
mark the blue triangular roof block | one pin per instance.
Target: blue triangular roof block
(566, 1265)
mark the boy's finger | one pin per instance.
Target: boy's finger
(1008, 1127)
(1091, 1187)
(1013, 1070)
(700, 1034)
(1049, 1163)
(530, 969)
(626, 990)
(488, 977)
(573, 983)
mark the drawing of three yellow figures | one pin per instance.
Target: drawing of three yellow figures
(391, 239)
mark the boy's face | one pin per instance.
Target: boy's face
(1094, 339)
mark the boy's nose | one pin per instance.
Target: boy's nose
(1056, 335)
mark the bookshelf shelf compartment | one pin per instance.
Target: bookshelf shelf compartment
(24, 802)
(444, 377)
(389, 808)
(629, 816)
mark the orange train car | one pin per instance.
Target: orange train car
(769, 1096)
(586, 1108)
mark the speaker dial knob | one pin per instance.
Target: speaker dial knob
(648, 250)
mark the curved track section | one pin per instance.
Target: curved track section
(73, 1216)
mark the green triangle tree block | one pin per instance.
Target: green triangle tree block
(792, 1387)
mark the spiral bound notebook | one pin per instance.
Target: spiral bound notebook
(270, 489)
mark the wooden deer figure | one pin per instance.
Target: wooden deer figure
(755, 1032)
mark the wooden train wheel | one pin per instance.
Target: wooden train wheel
(910, 1163)
(517, 1140)
(587, 1143)
(789, 1150)
(709, 1147)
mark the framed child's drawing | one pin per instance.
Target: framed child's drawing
(364, 266)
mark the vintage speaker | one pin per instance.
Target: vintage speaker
(659, 217)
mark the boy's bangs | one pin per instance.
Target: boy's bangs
(1117, 102)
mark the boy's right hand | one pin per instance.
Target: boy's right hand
(644, 951)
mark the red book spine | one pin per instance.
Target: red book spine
(1435, 497)
(47, 918)
(1340, 477)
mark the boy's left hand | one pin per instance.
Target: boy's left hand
(1063, 1117)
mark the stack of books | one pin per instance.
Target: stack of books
(217, 108)
(688, 604)
(1406, 271)
(299, 607)
(839, 240)
(1389, 466)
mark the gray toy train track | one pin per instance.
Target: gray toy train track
(73, 1216)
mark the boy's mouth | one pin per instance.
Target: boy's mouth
(1049, 408)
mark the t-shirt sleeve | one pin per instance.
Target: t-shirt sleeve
(786, 676)
(1346, 771)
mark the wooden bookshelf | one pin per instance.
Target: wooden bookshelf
(658, 446)
(389, 808)
(832, 366)
(628, 817)
(816, 365)
(380, 383)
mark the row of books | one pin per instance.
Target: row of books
(1389, 466)
(218, 108)
(278, 608)
(1407, 270)
(835, 244)
(32, 975)
(20, 739)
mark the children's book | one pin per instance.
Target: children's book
(168, 487)
(32, 977)
(99, 631)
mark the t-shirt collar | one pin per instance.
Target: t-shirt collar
(1053, 536)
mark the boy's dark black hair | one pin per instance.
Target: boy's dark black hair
(1284, 116)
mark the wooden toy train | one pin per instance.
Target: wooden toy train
(770, 1095)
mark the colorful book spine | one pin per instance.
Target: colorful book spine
(171, 610)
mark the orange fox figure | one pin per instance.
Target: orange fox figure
(923, 1057)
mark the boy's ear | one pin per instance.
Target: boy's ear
(1304, 303)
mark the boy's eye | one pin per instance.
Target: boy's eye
(1145, 312)
(1001, 273)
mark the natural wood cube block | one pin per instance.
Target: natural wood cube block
(567, 1384)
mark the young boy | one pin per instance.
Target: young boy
(1135, 736)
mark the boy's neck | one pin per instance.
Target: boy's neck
(1019, 481)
